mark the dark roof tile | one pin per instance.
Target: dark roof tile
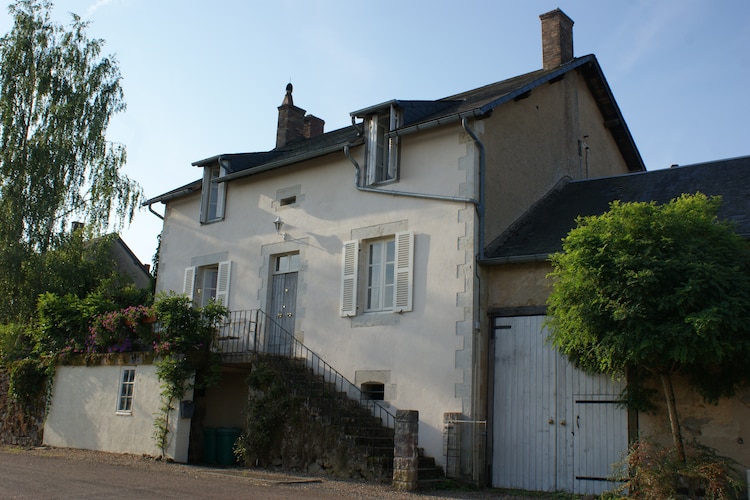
(541, 229)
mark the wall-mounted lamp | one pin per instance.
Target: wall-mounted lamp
(278, 223)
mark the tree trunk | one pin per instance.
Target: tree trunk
(674, 423)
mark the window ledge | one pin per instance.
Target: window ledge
(379, 318)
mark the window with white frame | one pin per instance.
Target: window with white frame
(127, 389)
(206, 283)
(381, 264)
(385, 275)
(382, 150)
(212, 194)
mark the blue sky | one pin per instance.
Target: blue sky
(204, 78)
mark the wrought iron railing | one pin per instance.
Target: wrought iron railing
(248, 332)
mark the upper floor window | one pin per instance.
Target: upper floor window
(213, 194)
(382, 151)
(206, 283)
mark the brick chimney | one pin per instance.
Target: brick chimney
(557, 39)
(313, 126)
(293, 124)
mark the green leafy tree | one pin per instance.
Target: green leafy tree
(57, 96)
(658, 290)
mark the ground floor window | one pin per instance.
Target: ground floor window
(381, 275)
(127, 386)
(374, 391)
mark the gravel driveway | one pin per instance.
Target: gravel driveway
(298, 484)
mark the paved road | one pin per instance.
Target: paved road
(27, 475)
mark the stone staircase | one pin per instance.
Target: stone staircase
(339, 435)
(430, 474)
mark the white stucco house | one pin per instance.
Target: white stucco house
(366, 243)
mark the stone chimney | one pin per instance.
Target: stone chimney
(293, 124)
(557, 39)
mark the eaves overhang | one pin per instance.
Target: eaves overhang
(290, 160)
(514, 259)
(185, 190)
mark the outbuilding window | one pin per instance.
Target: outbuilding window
(127, 389)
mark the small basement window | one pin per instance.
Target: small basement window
(374, 391)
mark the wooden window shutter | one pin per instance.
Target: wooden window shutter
(188, 284)
(222, 282)
(404, 271)
(349, 271)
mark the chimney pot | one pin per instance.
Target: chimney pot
(557, 39)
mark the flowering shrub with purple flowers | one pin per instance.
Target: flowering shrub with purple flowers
(124, 330)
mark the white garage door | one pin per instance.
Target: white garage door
(554, 427)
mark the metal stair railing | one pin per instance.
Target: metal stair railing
(253, 331)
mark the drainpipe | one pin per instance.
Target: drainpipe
(480, 202)
(479, 435)
(155, 212)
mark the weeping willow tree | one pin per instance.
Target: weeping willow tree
(57, 97)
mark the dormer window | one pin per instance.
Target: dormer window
(213, 195)
(382, 151)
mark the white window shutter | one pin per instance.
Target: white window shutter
(349, 271)
(404, 271)
(188, 284)
(222, 282)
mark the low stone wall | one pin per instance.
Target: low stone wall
(16, 428)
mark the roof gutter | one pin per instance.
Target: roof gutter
(167, 197)
(335, 148)
(516, 259)
(477, 113)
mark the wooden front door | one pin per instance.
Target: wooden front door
(282, 311)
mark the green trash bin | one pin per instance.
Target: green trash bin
(209, 445)
(225, 439)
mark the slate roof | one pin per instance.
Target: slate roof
(540, 230)
(473, 103)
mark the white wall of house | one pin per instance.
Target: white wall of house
(425, 354)
(83, 412)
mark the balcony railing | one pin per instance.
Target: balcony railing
(249, 332)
